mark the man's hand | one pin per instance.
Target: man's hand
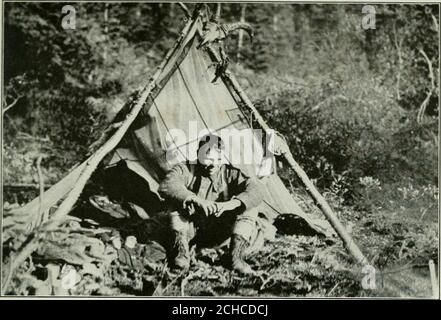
(227, 206)
(194, 202)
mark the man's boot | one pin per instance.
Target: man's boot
(181, 251)
(238, 245)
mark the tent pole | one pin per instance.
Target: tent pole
(326, 209)
(307, 183)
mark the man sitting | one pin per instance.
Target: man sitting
(210, 202)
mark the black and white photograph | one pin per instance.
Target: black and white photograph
(220, 150)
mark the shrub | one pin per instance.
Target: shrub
(351, 128)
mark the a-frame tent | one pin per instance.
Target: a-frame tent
(181, 91)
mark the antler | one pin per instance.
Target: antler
(213, 32)
(239, 25)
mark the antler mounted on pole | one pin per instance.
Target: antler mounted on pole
(214, 31)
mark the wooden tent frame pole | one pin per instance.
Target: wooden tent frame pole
(319, 200)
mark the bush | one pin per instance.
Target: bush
(351, 128)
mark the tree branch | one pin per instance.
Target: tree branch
(398, 45)
(424, 104)
(435, 24)
(12, 104)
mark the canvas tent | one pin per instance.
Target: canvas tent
(180, 92)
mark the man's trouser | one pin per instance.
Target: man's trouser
(212, 231)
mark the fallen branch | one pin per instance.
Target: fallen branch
(24, 186)
(423, 106)
(332, 290)
(266, 281)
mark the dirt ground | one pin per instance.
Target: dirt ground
(289, 266)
